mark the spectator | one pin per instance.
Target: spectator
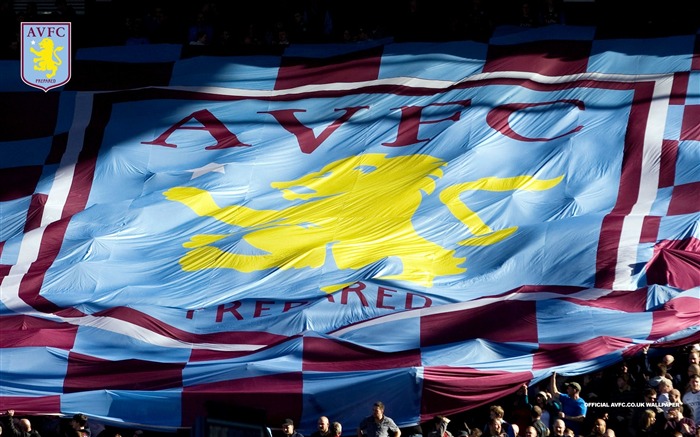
(377, 424)
(336, 429)
(659, 373)
(537, 423)
(693, 369)
(677, 423)
(519, 408)
(640, 369)
(24, 428)
(599, 428)
(691, 397)
(551, 13)
(530, 431)
(288, 429)
(694, 356)
(595, 385)
(558, 428)
(573, 407)
(675, 397)
(201, 32)
(413, 431)
(671, 373)
(647, 426)
(494, 429)
(497, 412)
(79, 423)
(300, 29)
(622, 395)
(650, 398)
(663, 389)
(526, 17)
(550, 407)
(324, 428)
(440, 424)
(635, 372)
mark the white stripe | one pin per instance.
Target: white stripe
(648, 186)
(150, 337)
(56, 200)
(413, 82)
(58, 194)
(9, 287)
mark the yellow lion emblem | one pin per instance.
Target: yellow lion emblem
(47, 57)
(361, 207)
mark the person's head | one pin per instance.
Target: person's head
(530, 431)
(568, 432)
(558, 427)
(694, 383)
(476, 432)
(693, 369)
(536, 412)
(573, 389)
(288, 427)
(649, 394)
(323, 424)
(337, 429)
(495, 426)
(660, 369)
(541, 398)
(496, 412)
(622, 384)
(648, 419)
(378, 410)
(516, 429)
(665, 385)
(694, 356)
(440, 420)
(79, 421)
(25, 425)
(609, 433)
(599, 427)
(674, 396)
(667, 360)
(674, 414)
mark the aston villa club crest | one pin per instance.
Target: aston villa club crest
(46, 54)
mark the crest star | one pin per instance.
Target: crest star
(210, 167)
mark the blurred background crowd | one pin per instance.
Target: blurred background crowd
(263, 26)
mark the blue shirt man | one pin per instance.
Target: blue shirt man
(573, 407)
(378, 425)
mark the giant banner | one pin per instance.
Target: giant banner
(430, 225)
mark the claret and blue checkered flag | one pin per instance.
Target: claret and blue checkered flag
(430, 224)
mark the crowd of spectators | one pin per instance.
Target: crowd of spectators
(264, 25)
(654, 394)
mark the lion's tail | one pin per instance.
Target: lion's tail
(56, 50)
